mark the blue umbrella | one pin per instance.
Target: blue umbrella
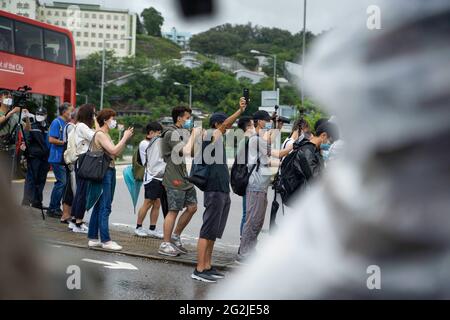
(134, 186)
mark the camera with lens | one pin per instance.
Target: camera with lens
(277, 118)
(21, 95)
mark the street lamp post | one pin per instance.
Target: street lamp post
(190, 91)
(85, 97)
(274, 56)
(103, 67)
(304, 51)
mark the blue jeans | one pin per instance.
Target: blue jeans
(244, 212)
(99, 222)
(60, 185)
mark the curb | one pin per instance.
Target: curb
(137, 255)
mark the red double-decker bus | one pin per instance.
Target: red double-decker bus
(39, 55)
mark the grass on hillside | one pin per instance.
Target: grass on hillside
(157, 48)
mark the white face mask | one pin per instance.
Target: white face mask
(112, 124)
(41, 118)
(8, 101)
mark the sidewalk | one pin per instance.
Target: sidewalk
(51, 230)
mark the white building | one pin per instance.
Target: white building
(93, 27)
(189, 59)
(254, 77)
(180, 38)
(25, 8)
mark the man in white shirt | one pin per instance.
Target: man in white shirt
(151, 159)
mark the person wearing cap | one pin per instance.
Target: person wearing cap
(9, 120)
(217, 199)
(259, 162)
(56, 139)
(38, 151)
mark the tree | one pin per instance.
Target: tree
(236, 41)
(139, 25)
(153, 21)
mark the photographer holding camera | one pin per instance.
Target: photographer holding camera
(9, 124)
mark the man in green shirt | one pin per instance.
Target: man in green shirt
(176, 143)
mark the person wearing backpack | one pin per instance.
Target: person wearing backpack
(151, 158)
(259, 153)
(177, 142)
(326, 134)
(56, 160)
(305, 163)
(217, 199)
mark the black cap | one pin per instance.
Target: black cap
(41, 111)
(5, 92)
(261, 115)
(217, 117)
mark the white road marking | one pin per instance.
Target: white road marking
(110, 265)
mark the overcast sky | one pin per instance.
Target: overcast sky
(284, 14)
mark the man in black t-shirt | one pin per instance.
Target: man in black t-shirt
(217, 193)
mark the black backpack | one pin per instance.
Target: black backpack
(240, 174)
(290, 179)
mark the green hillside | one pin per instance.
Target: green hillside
(156, 48)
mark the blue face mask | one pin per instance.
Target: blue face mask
(325, 146)
(188, 124)
(268, 126)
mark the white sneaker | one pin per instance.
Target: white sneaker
(140, 232)
(82, 229)
(71, 225)
(168, 249)
(111, 245)
(155, 234)
(178, 244)
(94, 243)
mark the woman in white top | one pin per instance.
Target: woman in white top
(83, 136)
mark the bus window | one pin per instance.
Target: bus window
(28, 40)
(56, 47)
(6, 35)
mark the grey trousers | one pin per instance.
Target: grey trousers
(256, 212)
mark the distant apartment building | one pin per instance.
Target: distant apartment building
(180, 38)
(92, 26)
(25, 8)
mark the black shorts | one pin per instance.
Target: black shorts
(217, 207)
(153, 190)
